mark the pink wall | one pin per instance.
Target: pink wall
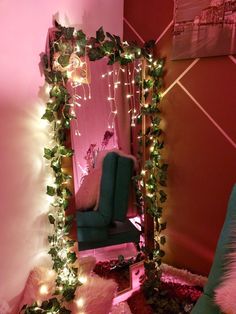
(94, 117)
(23, 223)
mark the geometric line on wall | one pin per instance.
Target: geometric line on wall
(180, 76)
(226, 136)
(233, 59)
(133, 29)
(165, 30)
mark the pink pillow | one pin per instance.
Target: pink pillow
(225, 297)
(87, 196)
(225, 293)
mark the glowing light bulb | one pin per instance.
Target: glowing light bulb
(83, 279)
(47, 89)
(151, 149)
(143, 172)
(50, 273)
(43, 289)
(80, 302)
(44, 123)
(128, 96)
(77, 133)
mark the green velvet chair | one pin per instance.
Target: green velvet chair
(109, 225)
(205, 304)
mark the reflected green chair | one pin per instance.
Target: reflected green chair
(205, 304)
(109, 225)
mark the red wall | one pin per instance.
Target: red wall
(200, 133)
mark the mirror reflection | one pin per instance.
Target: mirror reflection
(103, 161)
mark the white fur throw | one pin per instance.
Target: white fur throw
(42, 279)
(39, 278)
(95, 296)
(225, 293)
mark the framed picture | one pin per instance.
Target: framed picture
(204, 28)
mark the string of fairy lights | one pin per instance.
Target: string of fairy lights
(66, 70)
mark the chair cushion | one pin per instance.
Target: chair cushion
(91, 234)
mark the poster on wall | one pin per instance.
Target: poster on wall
(204, 28)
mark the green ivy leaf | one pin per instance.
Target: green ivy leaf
(68, 32)
(48, 115)
(81, 36)
(110, 36)
(65, 204)
(66, 152)
(71, 257)
(51, 190)
(47, 153)
(56, 165)
(63, 60)
(108, 46)
(162, 240)
(161, 253)
(162, 226)
(51, 219)
(163, 196)
(95, 54)
(100, 36)
(69, 294)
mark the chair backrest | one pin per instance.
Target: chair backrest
(122, 187)
(107, 186)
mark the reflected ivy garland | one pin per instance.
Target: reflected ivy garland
(58, 113)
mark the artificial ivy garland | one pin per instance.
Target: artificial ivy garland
(67, 43)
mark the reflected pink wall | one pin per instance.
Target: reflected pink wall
(94, 117)
(23, 30)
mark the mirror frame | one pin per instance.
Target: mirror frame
(151, 180)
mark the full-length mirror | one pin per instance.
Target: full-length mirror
(103, 111)
(105, 106)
